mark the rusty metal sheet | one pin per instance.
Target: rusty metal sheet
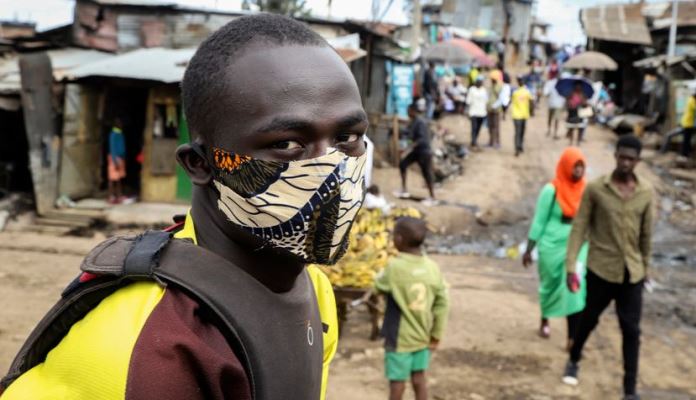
(95, 27)
(153, 33)
(40, 125)
(617, 23)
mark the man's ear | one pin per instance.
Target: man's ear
(196, 167)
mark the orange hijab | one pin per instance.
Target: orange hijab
(568, 192)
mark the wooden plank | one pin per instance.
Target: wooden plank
(70, 216)
(61, 222)
(395, 139)
(52, 230)
(39, 120)
(684, 174)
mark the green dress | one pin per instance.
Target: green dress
(551, 235)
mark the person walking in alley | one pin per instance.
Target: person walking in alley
(574, 121)
(556, 103)
(556, 207)
(416, 312)
(494, 106)
(505, 95)
(116, 162)
(521, 101)
(224, 304)
(687, 127)
(616, 215)
(477, 102)
(418, 152)
(430, 90)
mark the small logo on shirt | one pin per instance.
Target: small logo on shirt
(310, 334)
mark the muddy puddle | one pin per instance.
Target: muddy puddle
(673, 264)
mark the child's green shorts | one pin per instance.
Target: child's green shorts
(398, 366)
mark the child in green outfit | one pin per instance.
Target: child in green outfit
(417, 308)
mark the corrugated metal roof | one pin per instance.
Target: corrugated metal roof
(656, 61)
(61, 61)
(618, 23)
(686, 14)
(142, 3)
(155, 64)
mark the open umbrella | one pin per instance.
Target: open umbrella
(591, 60)
(475, 51)
(485, 35)
(566, 86)
(447, 52)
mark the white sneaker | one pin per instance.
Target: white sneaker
(570, 375)
(429, 202)
(400, 194)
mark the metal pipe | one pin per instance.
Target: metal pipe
(673, 29)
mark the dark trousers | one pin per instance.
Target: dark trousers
(628, 299)
(686, 141)
(476, 124)
(573, 321)
(424, 160)
(520, 125)
(493, 120)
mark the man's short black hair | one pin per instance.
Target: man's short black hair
(629, 141)
(206, 73)
(412, 230)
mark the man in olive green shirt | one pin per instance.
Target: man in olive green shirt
(417, 308)
(615, 215)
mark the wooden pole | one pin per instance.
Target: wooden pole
(395, 139)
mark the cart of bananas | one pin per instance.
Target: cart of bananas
(370, 248)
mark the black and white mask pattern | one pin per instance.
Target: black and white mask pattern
(306, 207)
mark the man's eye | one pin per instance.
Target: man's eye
(287, 145)
(347, 138)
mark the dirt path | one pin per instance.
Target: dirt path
(490, 351)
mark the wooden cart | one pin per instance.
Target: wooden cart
(345, 296)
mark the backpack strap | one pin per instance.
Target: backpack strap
(145, 253)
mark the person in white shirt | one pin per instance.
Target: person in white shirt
(505, 96)
(477, 100)
(556, 103)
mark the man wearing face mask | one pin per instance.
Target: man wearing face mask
(222, 306)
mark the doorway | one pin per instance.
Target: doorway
(129, 104)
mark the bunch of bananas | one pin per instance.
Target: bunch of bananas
(370, 248)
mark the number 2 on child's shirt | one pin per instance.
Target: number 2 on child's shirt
(419, 290)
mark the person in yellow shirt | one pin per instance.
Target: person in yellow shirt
(687, 126)
(521, 99)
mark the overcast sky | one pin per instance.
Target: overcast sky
(562, 14)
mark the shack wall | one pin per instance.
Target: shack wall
(125, 28)
(373, 90)
(81, 155)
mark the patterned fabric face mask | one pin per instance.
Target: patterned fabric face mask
(306, 207)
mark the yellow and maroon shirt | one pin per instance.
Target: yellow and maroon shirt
(146, 341)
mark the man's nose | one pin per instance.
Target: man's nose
(318, 148)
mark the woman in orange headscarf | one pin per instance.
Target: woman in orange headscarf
(558, 202)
